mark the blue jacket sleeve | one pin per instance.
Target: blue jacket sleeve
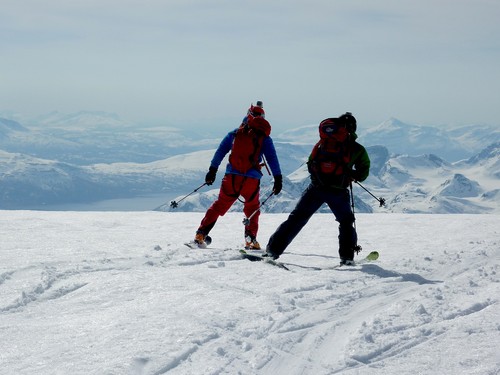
(270, 154)
(224, 147)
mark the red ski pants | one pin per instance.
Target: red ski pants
(231, 188)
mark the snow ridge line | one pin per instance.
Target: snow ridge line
(5, 276)
(49, 277)
(177, 361)
(475, 308)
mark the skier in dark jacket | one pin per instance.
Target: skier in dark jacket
(240, 179)
(335, 161)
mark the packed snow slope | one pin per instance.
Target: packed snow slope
(119, 293)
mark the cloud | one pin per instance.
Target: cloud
(178, 59)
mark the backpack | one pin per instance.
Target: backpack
(330, 157)
(247, 144)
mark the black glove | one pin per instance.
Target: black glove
(210, 177)
(312, 167)
(353, 175)
(278, 184)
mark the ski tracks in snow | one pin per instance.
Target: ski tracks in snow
(52, 280)
(426, 311)
(41, 283)
(312, 322)
(354, 319)
(301, 322)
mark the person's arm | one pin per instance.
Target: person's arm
(361, 163)
(224, 147)
(271, 156)
(269, 152)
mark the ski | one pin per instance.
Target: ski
(259, 258)
(195, 245)
(374, 255)
(369, 258)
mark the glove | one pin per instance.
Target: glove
(353, 176)
(278, 184)
(312, 167)
(210, 177)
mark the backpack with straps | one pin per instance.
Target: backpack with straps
(330, 157)
(247, 144)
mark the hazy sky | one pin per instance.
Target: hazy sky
(203, 62)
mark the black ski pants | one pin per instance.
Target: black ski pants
(338, 200)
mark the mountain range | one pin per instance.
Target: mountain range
(88, 157)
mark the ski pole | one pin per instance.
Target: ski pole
(352, 203)
(174, 204)
(380, 200)
(246, 220)
(357, 248)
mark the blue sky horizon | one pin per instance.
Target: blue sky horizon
(185, 62)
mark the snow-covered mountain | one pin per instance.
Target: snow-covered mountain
(10, 126)
(83, 120)
(86, 138)
(429, 184)
(410, 184)
(88, 157)
(28, 182)
(400, 137)
(450, 143)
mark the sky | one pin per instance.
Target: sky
(201, 63)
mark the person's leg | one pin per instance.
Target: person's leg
(227, 196)
(308, 204)
(339, 203)
(250, 192)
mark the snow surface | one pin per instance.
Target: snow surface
(119, 293)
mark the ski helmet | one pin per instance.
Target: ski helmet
(256, 111)
(349, 122)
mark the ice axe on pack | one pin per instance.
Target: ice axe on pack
(174, 204)
(246, 220)
(264, 164)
